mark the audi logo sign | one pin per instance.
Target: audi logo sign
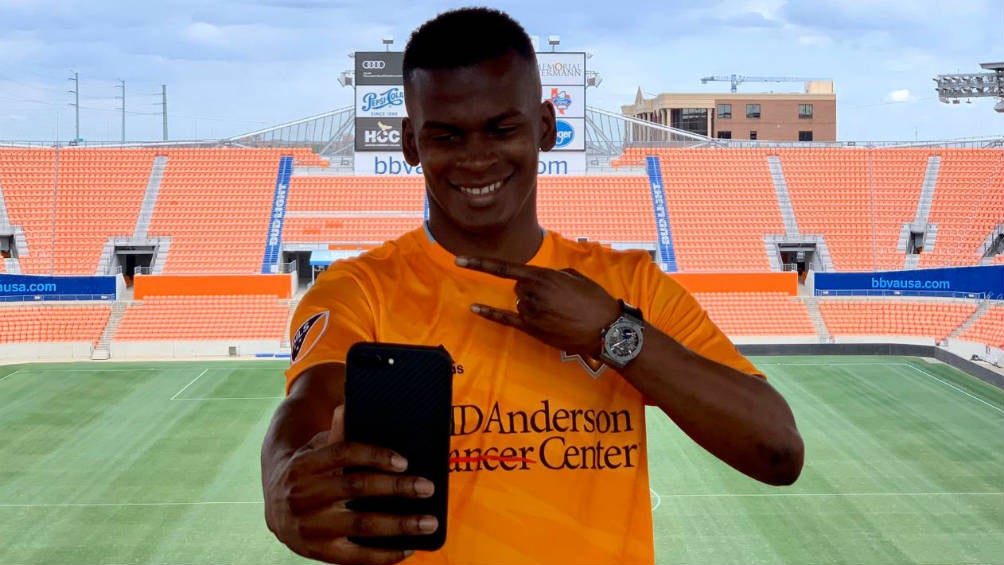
(374, 65)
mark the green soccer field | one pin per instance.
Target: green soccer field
(149, 463)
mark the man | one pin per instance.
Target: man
(552, 370)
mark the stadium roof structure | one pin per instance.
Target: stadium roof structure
(332, 135)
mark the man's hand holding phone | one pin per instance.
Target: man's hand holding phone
(309, 511)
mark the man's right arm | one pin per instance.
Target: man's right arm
(302, 459)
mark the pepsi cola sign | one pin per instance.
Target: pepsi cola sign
(380, 102)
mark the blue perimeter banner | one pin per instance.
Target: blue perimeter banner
(667, 256)
(980, 282)
(270, 261)
(15, 288)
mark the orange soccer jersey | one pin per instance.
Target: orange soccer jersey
(548, 453)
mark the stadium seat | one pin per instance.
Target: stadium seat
(185, 318)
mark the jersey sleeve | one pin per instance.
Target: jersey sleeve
(671, 308)
(332, 316)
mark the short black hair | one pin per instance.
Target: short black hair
(465, 37)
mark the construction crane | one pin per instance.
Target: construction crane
(736, 80)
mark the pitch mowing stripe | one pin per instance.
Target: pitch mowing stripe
(190, 383)
(946, 383)
(231, 398)
(117, 504)
(3, 378)
(773, 494)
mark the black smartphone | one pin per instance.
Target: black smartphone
(400, 397)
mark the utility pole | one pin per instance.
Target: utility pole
(122, 86)
(76, 102)
(163, 98)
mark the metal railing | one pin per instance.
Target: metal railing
(53, 297)
(910, 294)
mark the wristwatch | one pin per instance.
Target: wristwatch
(622, 340)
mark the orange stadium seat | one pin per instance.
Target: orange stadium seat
(757, 313)
(721, 202)
(988, 329)
(215, 204)
(186, 318)
(968, 204)
(894, 317)
(41, 323)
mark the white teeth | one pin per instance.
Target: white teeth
(478, 191)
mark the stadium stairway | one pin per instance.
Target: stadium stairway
(812, 305)
(983, 308)
(923, 215)
(102, 350)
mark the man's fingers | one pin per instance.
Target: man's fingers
(504, 317)
(337, 431)
(340, 455)
(503, 269)
(321, 491)
(337, 522)
(341, 550)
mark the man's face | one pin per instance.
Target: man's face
(477, 131)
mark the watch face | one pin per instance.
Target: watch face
(623, 339)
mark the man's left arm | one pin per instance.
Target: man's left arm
(736, 416)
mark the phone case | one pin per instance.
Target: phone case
(400, 397)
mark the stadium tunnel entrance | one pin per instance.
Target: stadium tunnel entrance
(133, 258)
(301, 261)
(800, 257)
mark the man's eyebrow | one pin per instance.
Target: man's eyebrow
(505, 115)
(439, 125)
(491, 121)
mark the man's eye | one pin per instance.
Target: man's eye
(505, 130)
(445, 137)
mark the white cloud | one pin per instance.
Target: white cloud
(202, 32)
(902, 95)
(815, 40)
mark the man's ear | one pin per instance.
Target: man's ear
(549, 129)
(409, 146)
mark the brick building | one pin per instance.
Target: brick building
(808, 116)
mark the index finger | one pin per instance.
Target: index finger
(503, 269)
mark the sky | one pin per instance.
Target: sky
(235, 66)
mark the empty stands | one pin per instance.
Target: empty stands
(97, 195)
(757, 313)
(215, 204)
(988, 329)
(188, 318)
(904, 317)
(968, 203)
(352, 210)
(721, 202)
(599, 208)
(858, 199)
(40, 323)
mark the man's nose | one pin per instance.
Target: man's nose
(478, 153)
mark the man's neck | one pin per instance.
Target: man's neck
(517, 242)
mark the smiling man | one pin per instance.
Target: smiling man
(558, 346)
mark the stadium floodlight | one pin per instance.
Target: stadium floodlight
(553, 41)
(347, 78)
(388, 41)
(593, 79)
(954, 88)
